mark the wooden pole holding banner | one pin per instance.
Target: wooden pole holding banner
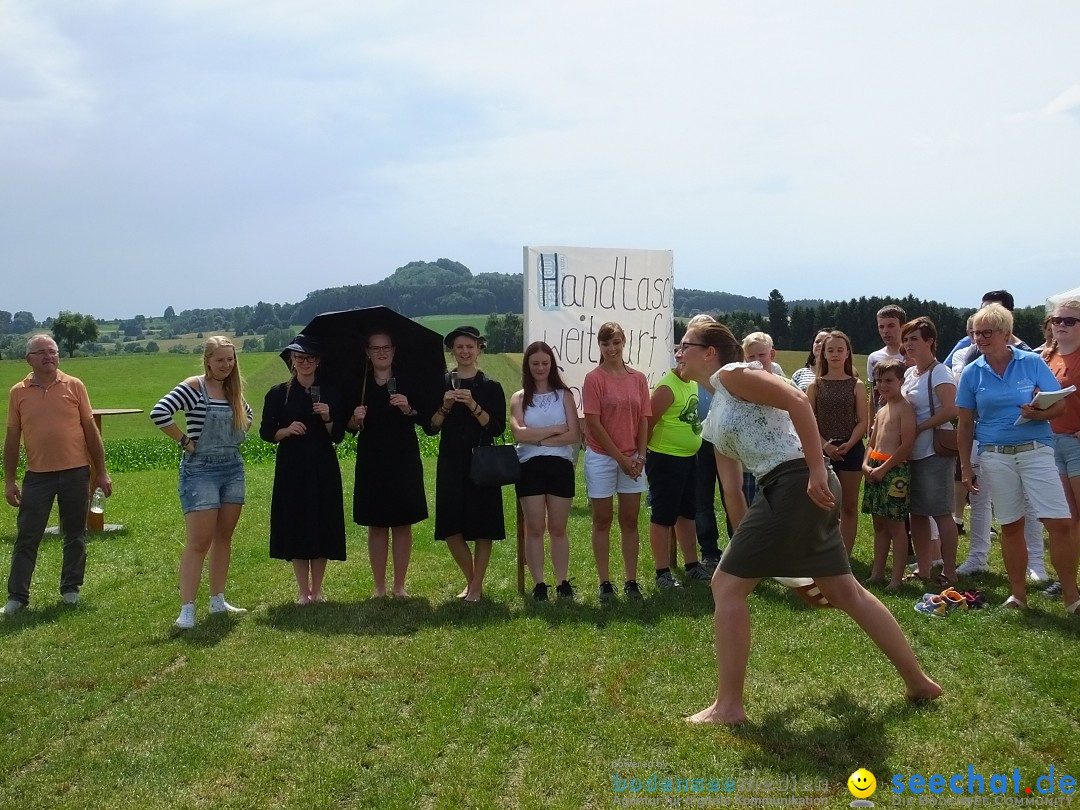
(520, 547)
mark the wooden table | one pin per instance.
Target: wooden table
(96, 523)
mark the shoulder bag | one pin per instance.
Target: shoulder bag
(495, 465)
(944, 439)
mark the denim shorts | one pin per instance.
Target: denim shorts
(208, 481)
(1067, 454)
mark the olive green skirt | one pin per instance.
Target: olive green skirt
(785, 533)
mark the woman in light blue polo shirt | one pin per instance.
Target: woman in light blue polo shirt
(1017, 459)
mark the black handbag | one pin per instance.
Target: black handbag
(495, 465)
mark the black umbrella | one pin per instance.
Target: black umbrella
(342, 337)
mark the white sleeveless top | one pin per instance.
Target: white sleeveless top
(547, 410)
(759, 436)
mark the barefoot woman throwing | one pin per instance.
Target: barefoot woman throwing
(792, 527)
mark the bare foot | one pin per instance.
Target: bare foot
(464, 593)
(303, 599)
(318, 597)
(894, 587)
(474, 596)
(924, 692)
(733, 716)
(401, 593)
(873, 581)
(380, 593)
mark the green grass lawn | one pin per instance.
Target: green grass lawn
(436, 704)
(139, 381)
(432, 703)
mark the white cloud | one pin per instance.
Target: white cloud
(40, 69)
(1067, 104)
(224, 138)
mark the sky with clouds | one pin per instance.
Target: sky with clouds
(199, 153)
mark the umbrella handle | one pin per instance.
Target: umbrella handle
(363, 391)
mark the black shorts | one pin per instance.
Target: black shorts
(672, 487)
(546, 475)
(852, 462)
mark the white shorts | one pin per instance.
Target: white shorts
(604, 477)
(1030, 475)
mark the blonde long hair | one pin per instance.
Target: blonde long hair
(1052, 348)
(233, 385)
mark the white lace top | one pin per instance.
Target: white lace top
(547, 410)
(759, 436)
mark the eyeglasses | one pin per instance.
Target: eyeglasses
(305, 358)
(54, 353)
(1069, 322)
(985, 334)
(380, 349)
(682, 347)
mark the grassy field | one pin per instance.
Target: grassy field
(432, 703)
(139, 381)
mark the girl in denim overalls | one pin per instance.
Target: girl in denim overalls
(211, 471)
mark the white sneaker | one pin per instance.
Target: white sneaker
(71, 597)
(12, 607)
(970, 566)
(219, 605)
(186, 619)
(1037, 576)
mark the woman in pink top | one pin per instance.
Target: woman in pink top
(615, 399)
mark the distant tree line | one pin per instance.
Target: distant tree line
(794, 329)
(448, 287)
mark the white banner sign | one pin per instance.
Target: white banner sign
(570, 292)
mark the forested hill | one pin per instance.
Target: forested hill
(445, 287)
(442, 287)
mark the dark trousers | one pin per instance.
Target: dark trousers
(708, 533)
(70, 488)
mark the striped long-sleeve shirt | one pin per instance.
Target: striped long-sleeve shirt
(187, 399)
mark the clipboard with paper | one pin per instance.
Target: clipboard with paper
(1044, 399)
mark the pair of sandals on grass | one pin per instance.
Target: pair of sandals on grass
(950, 600)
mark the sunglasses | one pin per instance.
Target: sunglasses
(1069, 322)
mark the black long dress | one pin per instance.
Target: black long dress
(307, 515)
(461, 507)
(389, 472)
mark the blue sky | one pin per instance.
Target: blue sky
(200, 153)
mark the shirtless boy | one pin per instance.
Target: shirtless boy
(885, 495)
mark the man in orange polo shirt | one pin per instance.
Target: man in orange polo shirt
(49, 413)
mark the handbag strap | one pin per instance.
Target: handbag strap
(930, 387)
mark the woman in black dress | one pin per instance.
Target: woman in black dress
(307, 518)
(473, 412)
(389, 493)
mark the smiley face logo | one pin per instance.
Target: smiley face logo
(862, 784)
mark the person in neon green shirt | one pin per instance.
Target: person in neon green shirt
(670, 467)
